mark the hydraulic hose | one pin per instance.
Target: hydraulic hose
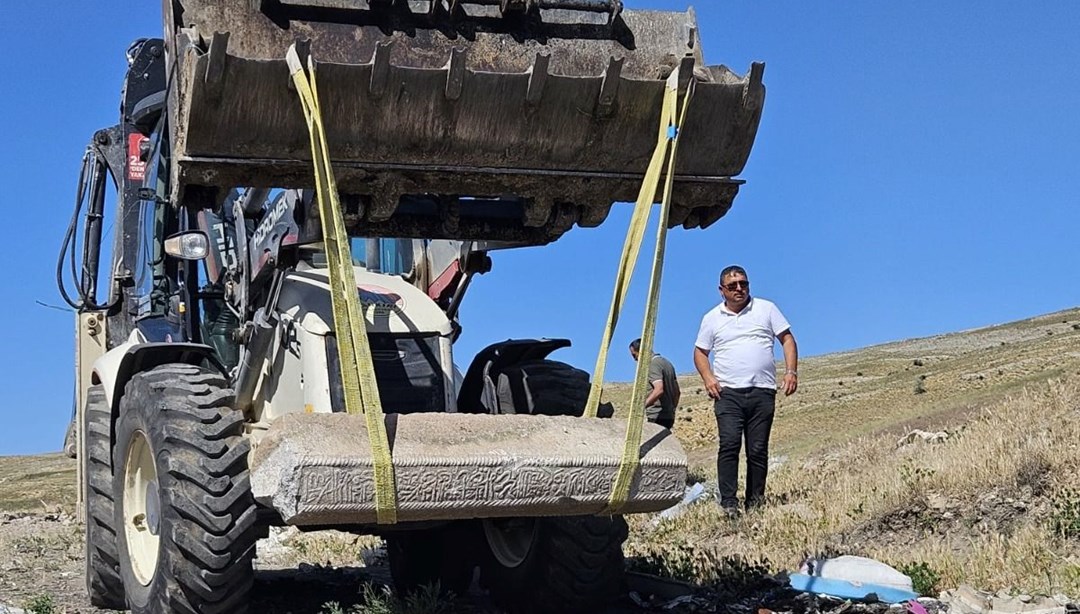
(90, 189)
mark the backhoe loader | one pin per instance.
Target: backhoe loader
(214, 396)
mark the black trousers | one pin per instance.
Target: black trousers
(664, 421)
(743, 413)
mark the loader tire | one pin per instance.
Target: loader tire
(561, 564)
(444, 556)
(185, 515)
(103, 583)
(545, 387)
(574, 564)
(71, 444)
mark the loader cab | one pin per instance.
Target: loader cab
(157, 313)
(384, 255)
(178, 300)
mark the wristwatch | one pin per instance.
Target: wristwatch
(795, 373)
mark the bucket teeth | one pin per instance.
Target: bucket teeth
(753, 91)
(382, 208)
(537, 212)
(507, 7)
(594, 215)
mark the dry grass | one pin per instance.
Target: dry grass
(992, 507)
(977, 509)
(328, 548)
(871, 390)
(37, 483)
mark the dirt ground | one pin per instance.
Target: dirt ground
(41, 551)
(43, 556)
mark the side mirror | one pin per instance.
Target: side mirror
(189, 245)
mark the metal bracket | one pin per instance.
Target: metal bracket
(609, 88)
(538, 74)
(380, 69)
(215, 64)
(151, 195)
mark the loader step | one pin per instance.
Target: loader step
(316, 469)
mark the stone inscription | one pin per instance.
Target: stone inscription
(355, 486)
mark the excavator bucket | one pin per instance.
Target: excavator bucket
(544, 111)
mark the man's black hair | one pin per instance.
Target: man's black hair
(636, 345)
(732, 270)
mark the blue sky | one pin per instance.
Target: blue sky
(917, 171)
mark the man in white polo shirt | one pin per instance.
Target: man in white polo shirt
(740, 333)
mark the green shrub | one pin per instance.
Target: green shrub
(690, 563)
(41, 604)
(382, 600)
(924, 579)
(1065, 519)
(920, 387)
(914, 476)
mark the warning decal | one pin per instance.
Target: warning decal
(135, 164)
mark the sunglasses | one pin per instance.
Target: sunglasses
(743, 283)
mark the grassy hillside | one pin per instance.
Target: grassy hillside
(43, 483)
(995, 505)
(867, 391)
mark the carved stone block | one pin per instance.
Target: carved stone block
(316, 469)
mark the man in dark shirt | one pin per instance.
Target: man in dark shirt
(664, 391)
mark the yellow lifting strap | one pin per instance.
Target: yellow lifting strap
(354, 353)
(672, 118)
